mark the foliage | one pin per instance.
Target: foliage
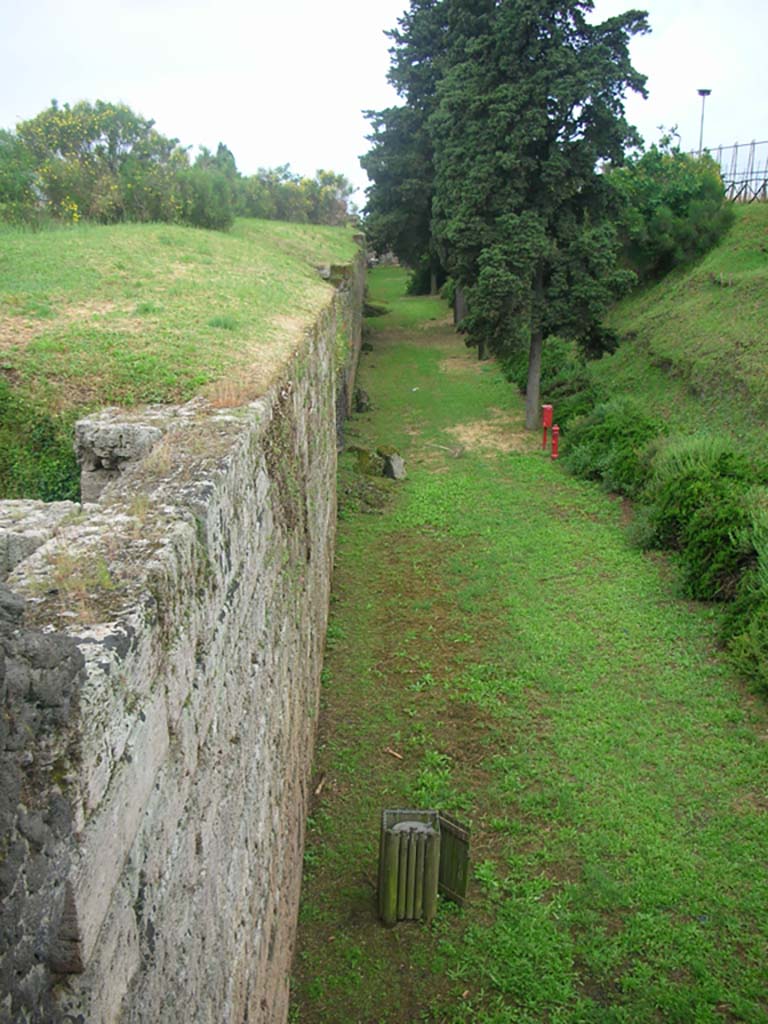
(610, 443)
(17, 194)
(400, 163)
(514, 103)
(280, 194)
(103, 162)
(206, 198)
(673, 208)
(565, 380)
(37, 459)
(684, 471)
(745, 622)
(80, 154)
(559, 361)
(697, 491)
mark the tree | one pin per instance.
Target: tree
(400, 163)
(17, 178)
(532, 102)
(493, 165)
(95, 159)
(400, 166)
(672, 208)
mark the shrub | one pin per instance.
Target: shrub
(744, 629)
(36, 455)
(17, 194)
(697, 492)
(673, 209)
(207, 199)
(448, 291)
(609, 445)
(687, 473)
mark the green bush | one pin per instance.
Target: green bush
(17, 176)
(673, 209)
(688, 473)
(697, 492)
(206, 199)
(36, 455)
(744, 629)
(448, 291)
(609, 445)
(420, 281)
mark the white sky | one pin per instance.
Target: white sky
(285, 81)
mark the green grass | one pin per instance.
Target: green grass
(136, 313)
(493, 625)
(696, 351)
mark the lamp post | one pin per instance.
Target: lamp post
(703, 93)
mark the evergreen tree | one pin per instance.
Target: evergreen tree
(400, 163)
(520, 102)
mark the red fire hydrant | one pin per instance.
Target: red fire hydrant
(546, 421)
(555, 440)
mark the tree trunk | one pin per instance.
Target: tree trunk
(533, 389)
(459, 304)
(433, 282)
(532, 412)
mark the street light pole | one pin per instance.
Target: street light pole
(703, 93)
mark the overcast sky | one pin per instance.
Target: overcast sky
(286, 81)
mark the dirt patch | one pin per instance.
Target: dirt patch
(500, 432)
(17, 331)
(749, 803)
(80, 310)
(295, 326)
(468, 363)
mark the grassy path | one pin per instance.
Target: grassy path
(538, 677)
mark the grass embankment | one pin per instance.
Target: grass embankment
(677, 422)
(492, 625)
(695, 346)
(136, 313)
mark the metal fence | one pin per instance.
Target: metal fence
(744, 169)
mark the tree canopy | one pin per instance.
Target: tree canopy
(518, 103)
(103, 162)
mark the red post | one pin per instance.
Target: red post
(555, 440)
(546, 421)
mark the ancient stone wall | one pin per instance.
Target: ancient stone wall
(160, 652)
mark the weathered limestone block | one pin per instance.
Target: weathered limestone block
(108, 442)
(26, 525)
(162, 697)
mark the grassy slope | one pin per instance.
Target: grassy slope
(696, 351)
(152, 313)
(494, 627)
